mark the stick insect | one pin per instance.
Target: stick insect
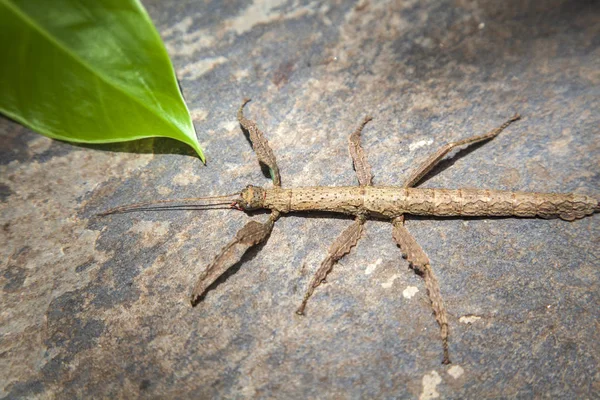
(364, 201)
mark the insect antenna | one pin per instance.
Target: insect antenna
(195, 203)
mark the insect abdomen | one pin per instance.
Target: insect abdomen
(394, 201)
(475, 202)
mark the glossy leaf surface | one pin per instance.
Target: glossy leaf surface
(89, 71)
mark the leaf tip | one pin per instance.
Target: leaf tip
(196, 146)
(200, 153)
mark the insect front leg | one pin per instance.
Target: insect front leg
(250, 235)
(253, 232)
(260, 144)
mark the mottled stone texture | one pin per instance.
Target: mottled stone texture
(99, 307)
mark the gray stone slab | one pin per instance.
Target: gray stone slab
(99, 307)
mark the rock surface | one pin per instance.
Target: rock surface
(99, 308)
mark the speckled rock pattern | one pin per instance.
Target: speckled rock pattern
(93, 307)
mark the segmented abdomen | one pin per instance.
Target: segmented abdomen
(394, 201)
(475, 202)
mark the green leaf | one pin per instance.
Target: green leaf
(91, 71)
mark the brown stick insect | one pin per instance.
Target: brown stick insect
(364, 201)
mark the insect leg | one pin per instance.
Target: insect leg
(361, 165)
(260, 144)
(250, 235)
(420, 263)
(340, 247)
(435, 158)
(411, 249)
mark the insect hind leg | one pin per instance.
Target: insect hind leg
(436, 157)
(419, 261)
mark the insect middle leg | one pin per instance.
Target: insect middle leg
(350, 237)
(340, 247)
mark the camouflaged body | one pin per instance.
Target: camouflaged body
(391, 202)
